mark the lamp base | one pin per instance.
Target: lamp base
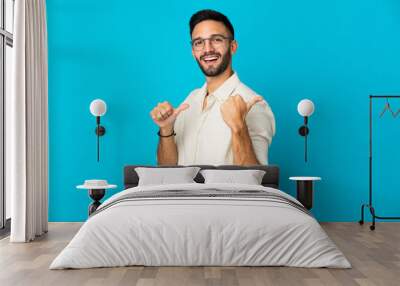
(303, 130)
(100, 130)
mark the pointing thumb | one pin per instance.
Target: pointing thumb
(253, 101)
(181, 108)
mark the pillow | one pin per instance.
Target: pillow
(162, 176)
(248, 177)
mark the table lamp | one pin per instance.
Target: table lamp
(98, 108)
(305, 109)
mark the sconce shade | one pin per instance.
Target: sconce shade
(98, 107)
(305, 107)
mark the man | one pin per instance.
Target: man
(223, 122)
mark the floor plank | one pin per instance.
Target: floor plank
(375, 257)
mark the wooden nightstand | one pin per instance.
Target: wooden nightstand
(305, 190)
(96, 190)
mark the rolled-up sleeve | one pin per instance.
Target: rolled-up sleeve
(261, 125)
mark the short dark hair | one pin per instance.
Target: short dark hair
(209, 14)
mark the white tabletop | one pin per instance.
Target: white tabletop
(96, 187)
(305, 178)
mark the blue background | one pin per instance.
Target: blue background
(135, 54)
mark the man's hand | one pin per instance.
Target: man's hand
(235, 109)
(164, 115)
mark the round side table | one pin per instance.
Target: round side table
(305, 190)
(96, 192)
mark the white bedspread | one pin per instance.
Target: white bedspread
(200, 231)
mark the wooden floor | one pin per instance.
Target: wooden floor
(375, 257)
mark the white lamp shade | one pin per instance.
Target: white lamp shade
(305, 107)
(98, 107)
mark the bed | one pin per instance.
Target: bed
(201, 224)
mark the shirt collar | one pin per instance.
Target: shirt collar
(224, 90)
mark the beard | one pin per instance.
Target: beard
(215, 70)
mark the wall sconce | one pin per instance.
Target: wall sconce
(305, 109)
(98, 108)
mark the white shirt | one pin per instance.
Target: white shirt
(203, 137)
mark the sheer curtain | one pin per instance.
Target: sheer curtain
(27, 124)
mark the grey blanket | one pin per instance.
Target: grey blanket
(204, 194)
(235, 225)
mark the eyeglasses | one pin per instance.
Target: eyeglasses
(215, 40)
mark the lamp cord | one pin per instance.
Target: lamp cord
(98, 143)
(305, 148)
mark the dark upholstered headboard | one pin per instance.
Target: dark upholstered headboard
(270, 179)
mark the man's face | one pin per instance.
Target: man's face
(213, 55)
